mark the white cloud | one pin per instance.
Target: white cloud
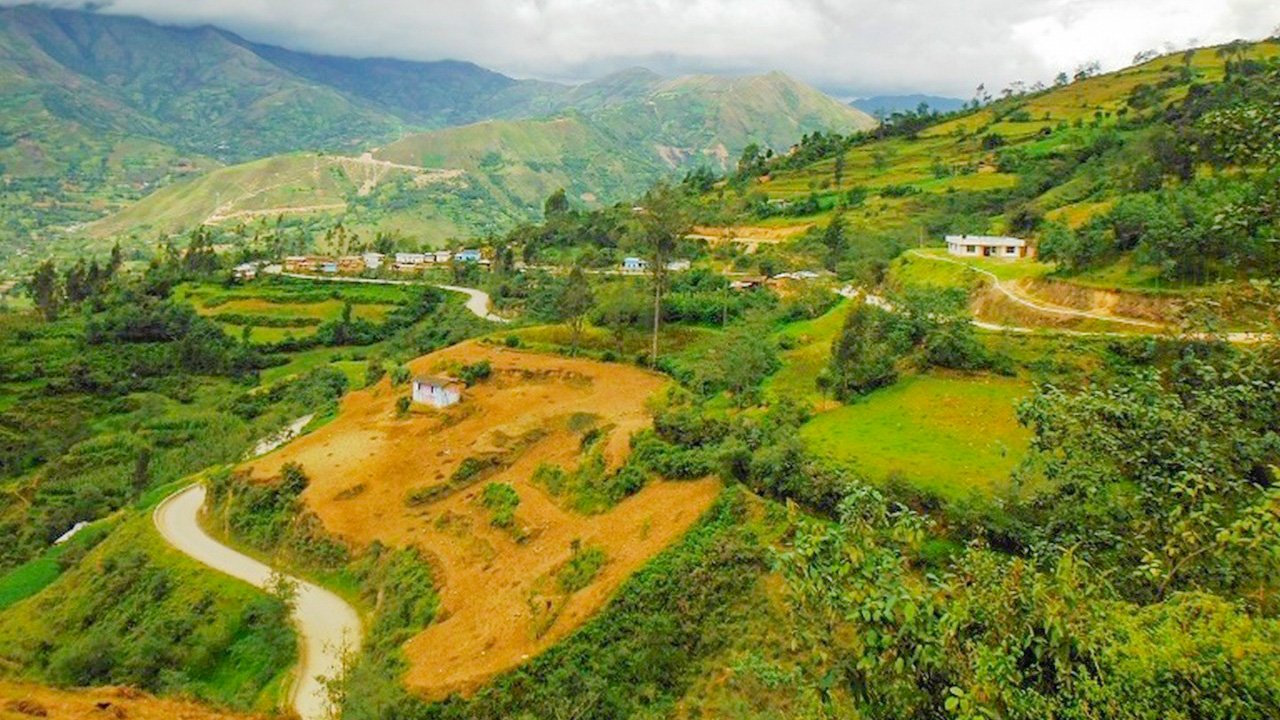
(850, 46)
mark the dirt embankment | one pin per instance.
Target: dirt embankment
(1118, 303)
(25, 701)
(376, 476)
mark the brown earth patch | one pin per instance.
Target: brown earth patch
(24, 701)
(1118, 303)
(495, 611)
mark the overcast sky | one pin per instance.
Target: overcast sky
(846, 47)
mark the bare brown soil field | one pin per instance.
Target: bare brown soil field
(24, 701)
(744, 233)
(501, 603)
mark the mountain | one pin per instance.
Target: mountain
(98, 111)
(886, 105)
(612, 139)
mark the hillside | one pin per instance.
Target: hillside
(99, 111)
(618, 136)
(1118, 177)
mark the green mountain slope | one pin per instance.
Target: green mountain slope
(619, 135)
(100, 111)
(1122, 178)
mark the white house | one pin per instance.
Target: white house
(679, 265)
(468, 255)
(410, 258)
(245, 271)
(373, 260)
(986, 246)
(436, 391)
(634, 264)
(440, 257)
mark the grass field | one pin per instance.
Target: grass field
(38, 573)
(287, 309)
(949, 434)
(811, 349)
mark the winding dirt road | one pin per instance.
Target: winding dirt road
(329, 627)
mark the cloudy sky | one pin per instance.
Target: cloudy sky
(846, 47)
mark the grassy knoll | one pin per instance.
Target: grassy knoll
(38, 573)
(137, 612)
(948, 434)
(806, 350)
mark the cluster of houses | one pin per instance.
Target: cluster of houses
(639, 265)
(401, 261)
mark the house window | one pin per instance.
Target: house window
(971, 248)
(1010, 250)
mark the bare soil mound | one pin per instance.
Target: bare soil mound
(418, 480)
(24, 701)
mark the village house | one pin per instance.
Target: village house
(373, 260)
(436, 391)
(679, 265)
(634, 264)
(440, 257)
(244, 271)
(300, 263)
(986, 246)
(351, 264)
(468, 255)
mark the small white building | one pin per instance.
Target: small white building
(634, 264)
(245, 271)
(986, 246)
(440, 257)
(679, 265)
(410, 258)
(373, 260)
(436, 391)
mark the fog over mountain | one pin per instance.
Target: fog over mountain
(855, 48)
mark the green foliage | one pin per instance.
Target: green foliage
(581, 569)
(475, 372)
(501, 500)
(271, 517)
(136, 613)
(1167, 475)
(995, 637)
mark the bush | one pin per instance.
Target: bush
(475, 372)
(501, 499)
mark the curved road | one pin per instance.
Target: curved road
(1024, 301)
(478, 301)
(328, 625)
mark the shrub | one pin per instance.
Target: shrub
(501, 499)
(475, 372)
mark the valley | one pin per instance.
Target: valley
(356, 388)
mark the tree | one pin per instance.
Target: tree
(835, 239)
(45, 290)
(573, 303)
(1167, 474)
(838, 170)
(662, 224)
(620, 306)
(861, 358)
(557, 205)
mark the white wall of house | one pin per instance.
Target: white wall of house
(436, 395)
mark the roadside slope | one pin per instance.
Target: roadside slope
(328, 625)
